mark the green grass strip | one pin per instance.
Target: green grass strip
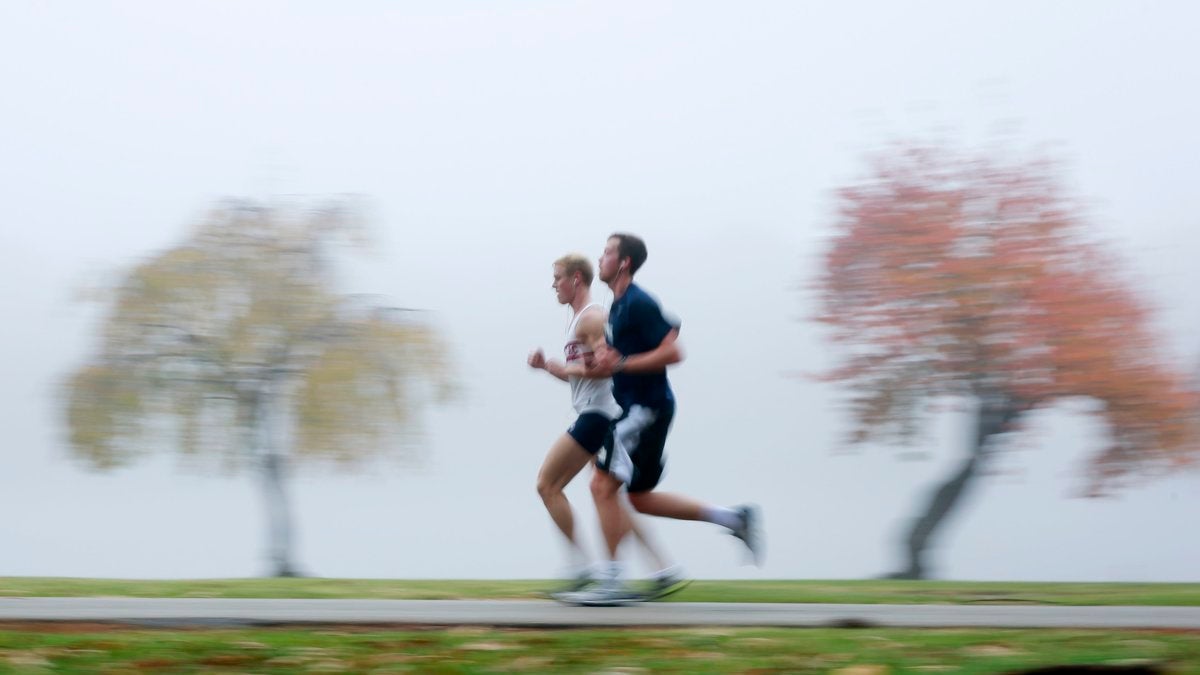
(861, 591)
(473, 650)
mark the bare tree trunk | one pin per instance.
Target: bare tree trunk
(279, 548)
(994, 416)
(273, 471)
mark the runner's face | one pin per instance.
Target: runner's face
(564, 286)
(609, 264)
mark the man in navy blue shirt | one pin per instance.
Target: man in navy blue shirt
(642, 344)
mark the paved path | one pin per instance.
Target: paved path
(533, 613)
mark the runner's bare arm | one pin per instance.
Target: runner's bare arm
(590, 331)
(668, 352)
(539, 361)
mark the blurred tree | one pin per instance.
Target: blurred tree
(234, 346)
(970, 277)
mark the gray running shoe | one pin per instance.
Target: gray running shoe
(750, 532)
(606, 593)
(666, 582)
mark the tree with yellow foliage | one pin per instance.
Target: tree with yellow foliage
(235, 346)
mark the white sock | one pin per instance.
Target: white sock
(609, 571)
(722, 516)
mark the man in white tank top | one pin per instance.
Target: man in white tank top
(593, 401)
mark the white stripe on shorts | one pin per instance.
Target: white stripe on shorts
(625, 440)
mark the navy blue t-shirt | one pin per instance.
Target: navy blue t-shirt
(635, 325)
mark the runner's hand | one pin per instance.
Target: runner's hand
(603, 360)
(537, 359)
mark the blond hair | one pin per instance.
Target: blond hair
(576, 262)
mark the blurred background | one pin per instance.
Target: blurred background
(284, 258)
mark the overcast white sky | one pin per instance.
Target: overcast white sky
(490, 138)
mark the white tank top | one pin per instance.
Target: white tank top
(587, 395)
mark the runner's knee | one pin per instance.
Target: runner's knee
(546, 488)
(604, 487)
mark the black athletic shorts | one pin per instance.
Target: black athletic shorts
(592, 431)
(636, 455)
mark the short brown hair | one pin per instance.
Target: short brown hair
(576, 262)
(630, 246)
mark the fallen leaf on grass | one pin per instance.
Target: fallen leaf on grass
(528, 663)
(864, 669)
(226, 660)
(388, 659)
(82, 652)
(312, 651)
(652, 643)
(755, 642)
(1143, 644)
(991, 650)
(27, 660)
(467, 630)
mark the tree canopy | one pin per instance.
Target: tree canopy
(958, 274)
(236, 346)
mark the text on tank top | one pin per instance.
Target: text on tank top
(587, 395)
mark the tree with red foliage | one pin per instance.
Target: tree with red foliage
(952, 275)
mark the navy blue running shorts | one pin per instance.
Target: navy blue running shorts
(592, 431)
(635, 456)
